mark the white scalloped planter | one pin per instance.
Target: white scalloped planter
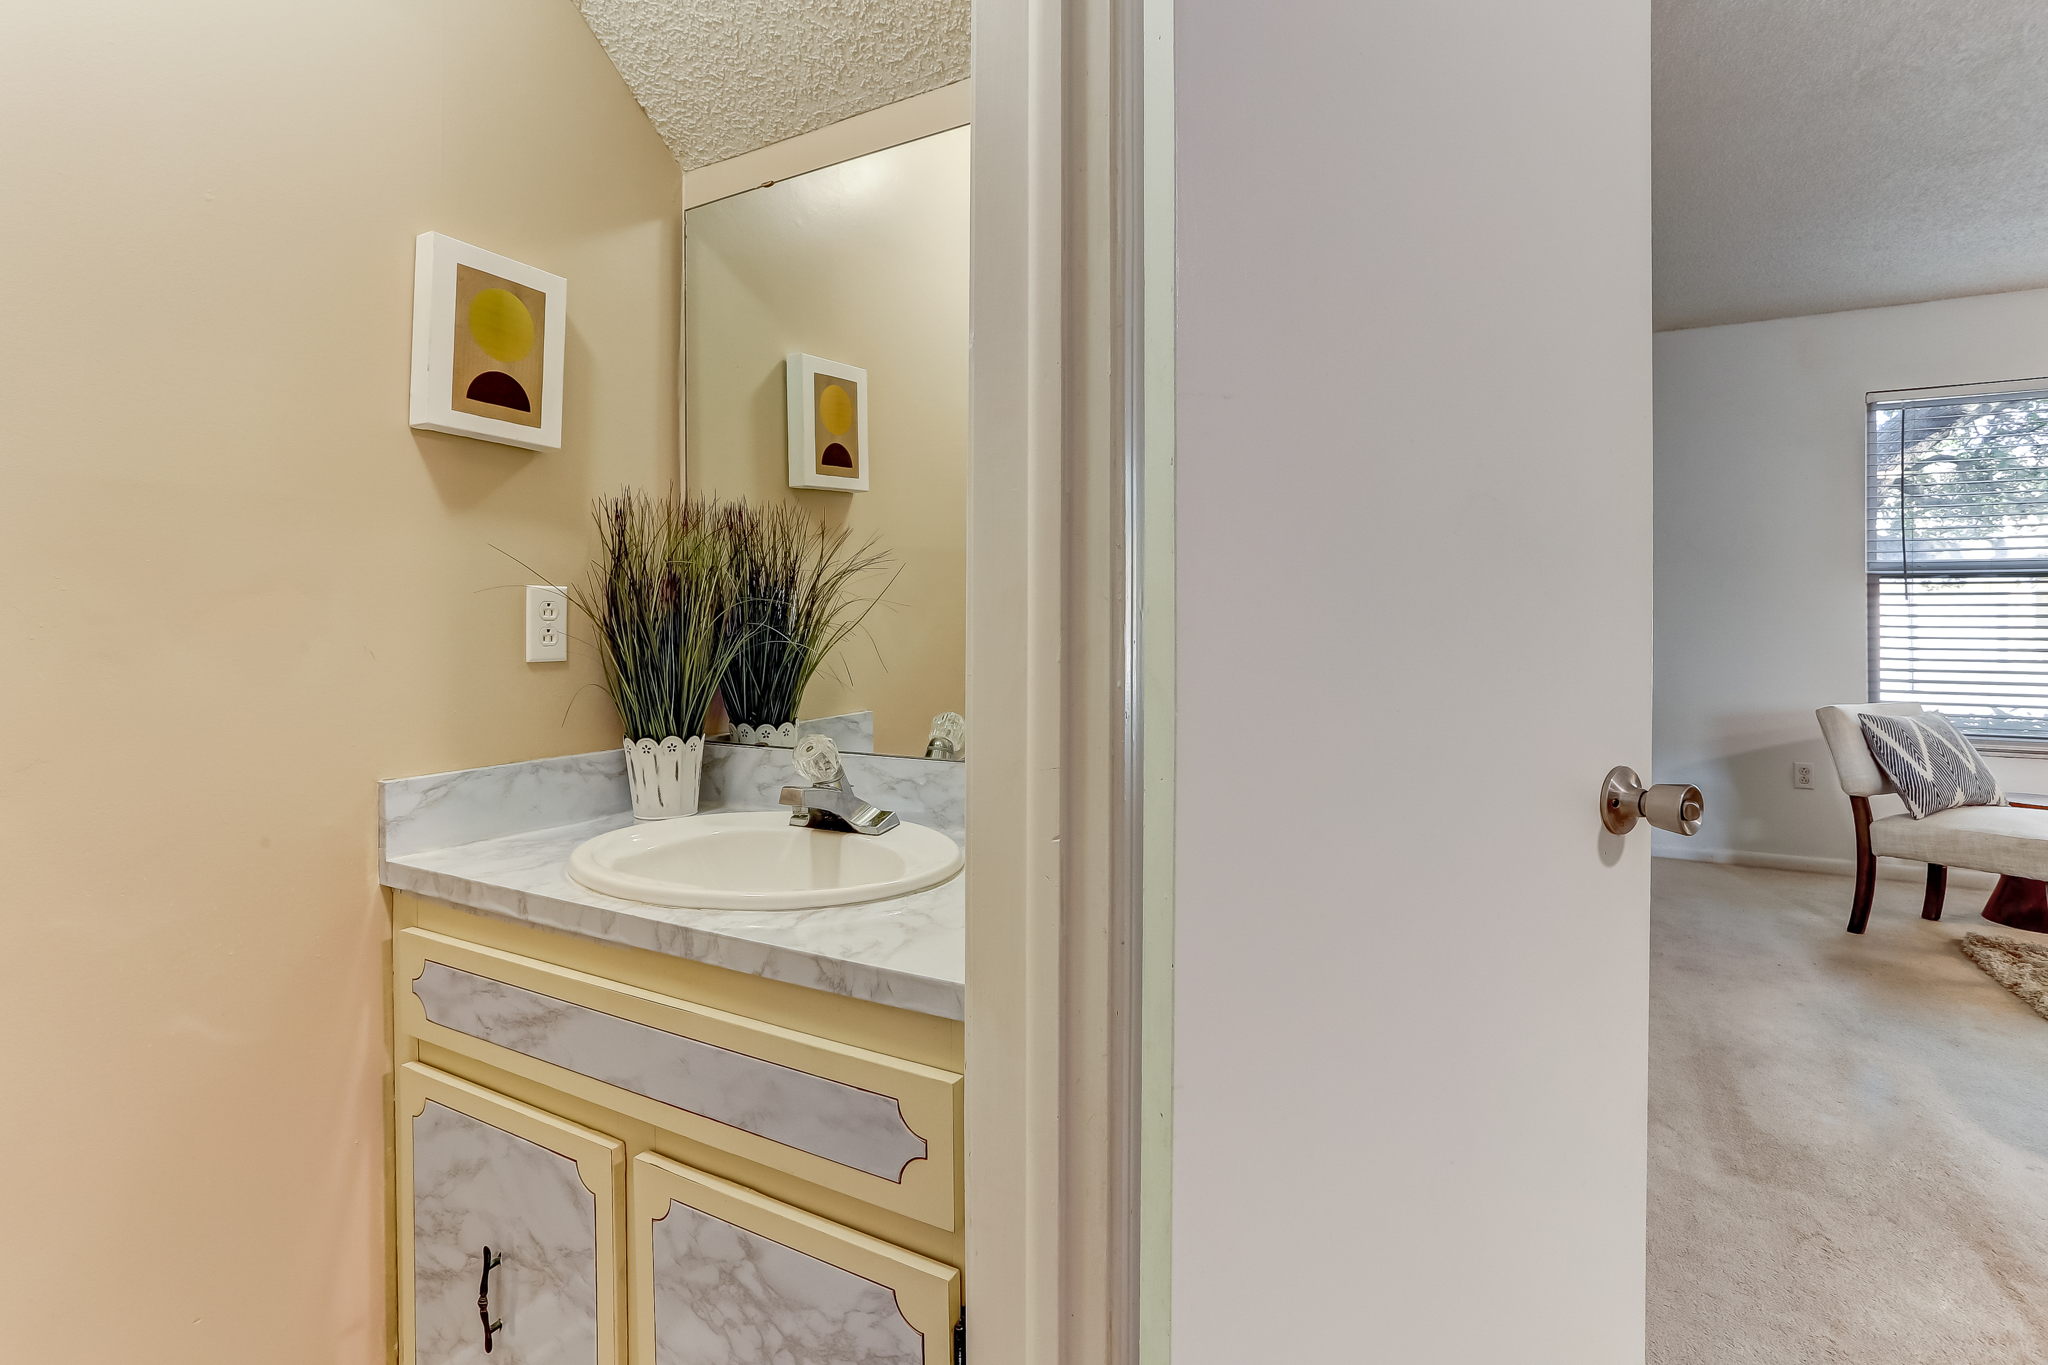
(665, 776)
(774, 736)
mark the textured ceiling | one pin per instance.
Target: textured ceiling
(722, 77)
(1816, 155)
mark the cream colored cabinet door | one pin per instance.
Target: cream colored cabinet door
(508, 1230)
(723, 1274)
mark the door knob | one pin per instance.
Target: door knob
(1668, 805)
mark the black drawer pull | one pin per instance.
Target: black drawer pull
(483, 1299)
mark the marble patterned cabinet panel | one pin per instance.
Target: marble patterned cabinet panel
(875, 1127)
(730, 1277)
(475, 1183)
(841, 1123)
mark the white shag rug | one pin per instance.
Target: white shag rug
(2021, 968)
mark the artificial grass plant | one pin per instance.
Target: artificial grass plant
(659, 598)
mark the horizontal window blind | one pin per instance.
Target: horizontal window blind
(1958, 560)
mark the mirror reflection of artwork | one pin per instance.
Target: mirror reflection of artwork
(487, 345)
(828, 424)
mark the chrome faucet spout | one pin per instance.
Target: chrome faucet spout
(829, 803)
(834, 806)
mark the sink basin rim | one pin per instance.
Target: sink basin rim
(928, 858)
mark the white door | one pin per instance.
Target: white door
(1414, 626)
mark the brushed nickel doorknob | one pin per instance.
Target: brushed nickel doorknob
(1668, 805)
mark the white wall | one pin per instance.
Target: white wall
(1413, 468)
(1760, 584)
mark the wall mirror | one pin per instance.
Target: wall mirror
(825, 369)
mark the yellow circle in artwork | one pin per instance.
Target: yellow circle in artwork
(835, 409)
(501, 325)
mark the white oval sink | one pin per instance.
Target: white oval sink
(757, 860)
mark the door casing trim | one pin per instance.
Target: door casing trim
(1053, 1028)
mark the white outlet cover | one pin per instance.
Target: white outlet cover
(547, 624)
(1802, 776)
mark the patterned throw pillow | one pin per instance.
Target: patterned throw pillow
(1932, 765)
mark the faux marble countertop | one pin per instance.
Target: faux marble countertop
(907, 951)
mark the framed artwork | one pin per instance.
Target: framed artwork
(487, 343)
(828, 424)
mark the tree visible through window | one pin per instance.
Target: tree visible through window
(1958, 560)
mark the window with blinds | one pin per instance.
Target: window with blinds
(1958, 559)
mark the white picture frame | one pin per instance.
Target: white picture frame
(458, 382)
(817, 459)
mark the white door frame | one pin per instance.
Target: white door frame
(1056, 1155)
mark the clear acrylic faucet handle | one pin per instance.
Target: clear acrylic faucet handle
(817, 759)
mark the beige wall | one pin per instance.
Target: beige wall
(241, 591)
(866, 263)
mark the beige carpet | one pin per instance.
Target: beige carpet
(1848, 1136)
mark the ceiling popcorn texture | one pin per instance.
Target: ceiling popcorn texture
(719, 78)
(1832, 154)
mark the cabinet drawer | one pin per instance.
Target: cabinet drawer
(719, 1269)
(880, 1129)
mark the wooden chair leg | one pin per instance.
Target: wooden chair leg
(1866, 866)
(1866, 888)
(1937, 886)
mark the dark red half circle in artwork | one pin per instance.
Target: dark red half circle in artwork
(836, 456)
(499, 390)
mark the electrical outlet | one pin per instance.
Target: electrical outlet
(547, 625)
(1802, 776)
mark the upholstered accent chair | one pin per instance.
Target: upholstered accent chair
(2011, 841)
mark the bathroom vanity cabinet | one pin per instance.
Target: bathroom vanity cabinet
(612, 1155)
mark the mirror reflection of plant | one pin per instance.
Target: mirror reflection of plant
(794, 602)
(659, 598)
